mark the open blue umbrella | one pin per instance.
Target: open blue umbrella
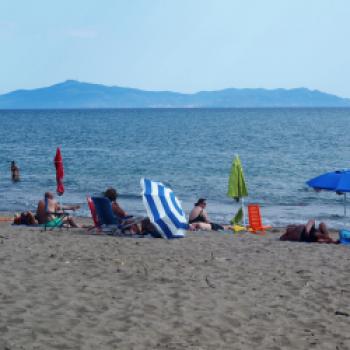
(164, 209)
(336, 181)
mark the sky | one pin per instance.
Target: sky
(178, 45)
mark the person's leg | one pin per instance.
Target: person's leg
(193, 226)
(309, 225)
(203, 226)
(323, 235)
(147, 226)
(31, 218)
(322, 227)
(70, 221)
(135, 229)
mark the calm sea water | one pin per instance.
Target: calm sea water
(190, 150)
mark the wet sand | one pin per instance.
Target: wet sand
(72, 290)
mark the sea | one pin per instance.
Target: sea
(190, 150)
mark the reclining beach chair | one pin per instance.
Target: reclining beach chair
(92, 211)
(105, 219)
(255, 221)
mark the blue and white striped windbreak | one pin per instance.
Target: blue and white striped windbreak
(164, 209)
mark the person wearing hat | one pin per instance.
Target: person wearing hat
(200, 217)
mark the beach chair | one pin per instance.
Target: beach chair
(255, 221)
(106, 220)
(92, 211)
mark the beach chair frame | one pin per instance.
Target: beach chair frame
(105, 220)
(255, 220)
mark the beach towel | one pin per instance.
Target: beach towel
(344, 237)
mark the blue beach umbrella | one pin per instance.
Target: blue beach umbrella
(164, 209)
(336, 181)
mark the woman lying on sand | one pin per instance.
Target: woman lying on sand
(308, 233)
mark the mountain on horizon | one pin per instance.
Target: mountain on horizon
(75, 94)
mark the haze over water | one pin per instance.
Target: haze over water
(189, 149)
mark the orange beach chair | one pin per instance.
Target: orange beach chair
(255, 222)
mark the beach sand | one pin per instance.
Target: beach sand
(71, 290)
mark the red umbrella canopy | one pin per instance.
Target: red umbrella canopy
(59, 172)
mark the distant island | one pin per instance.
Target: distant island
(75, 94)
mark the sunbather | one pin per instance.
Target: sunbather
(308, 233)
(140, 227)
(50, 212)
(112, 194)
(200, 219)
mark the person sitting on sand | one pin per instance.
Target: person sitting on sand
(14, 172)
(50, 212)
(199, 216)
(141, 227)
(308, 233)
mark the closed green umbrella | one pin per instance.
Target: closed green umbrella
(237, 187)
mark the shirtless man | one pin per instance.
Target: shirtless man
(49, 211)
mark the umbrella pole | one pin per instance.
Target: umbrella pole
(344, 204)
(60, 202)
(242, 204)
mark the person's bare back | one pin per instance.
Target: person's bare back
(48, 209)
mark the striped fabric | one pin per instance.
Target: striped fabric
(164, 209)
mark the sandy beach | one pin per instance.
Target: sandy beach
(72, 290)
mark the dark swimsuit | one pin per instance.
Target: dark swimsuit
(311, 237)
(201, 218)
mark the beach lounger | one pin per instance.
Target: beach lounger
(255, 221)
(106, 220)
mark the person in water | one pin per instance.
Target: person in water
(49, 211)
(308, 233)
(142, 226)
(200, 218)
(14, 172)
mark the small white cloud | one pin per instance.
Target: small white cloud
(82, 33)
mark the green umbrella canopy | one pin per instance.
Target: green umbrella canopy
(236, 184)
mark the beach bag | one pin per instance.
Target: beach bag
(344, 236)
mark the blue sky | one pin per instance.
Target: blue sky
(180, 45)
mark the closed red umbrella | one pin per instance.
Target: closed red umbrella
(59, 172)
